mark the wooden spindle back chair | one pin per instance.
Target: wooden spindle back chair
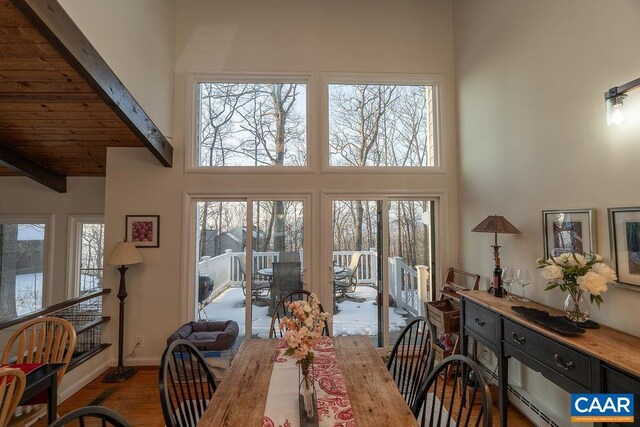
(42, 340)
(91, 415)
(411, 359)
(455, 393)
(280, 311)
(12, 383)
(186, 384)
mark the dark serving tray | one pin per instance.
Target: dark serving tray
(557, 324)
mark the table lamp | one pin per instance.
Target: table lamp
(124, 254)
(496, 224)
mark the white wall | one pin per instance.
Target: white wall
(137, 40)
(530, 77)
(287, 36)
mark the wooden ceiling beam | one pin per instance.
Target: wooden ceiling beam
(51, 20)
(31, 169)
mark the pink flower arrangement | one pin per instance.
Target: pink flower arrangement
(303, 328)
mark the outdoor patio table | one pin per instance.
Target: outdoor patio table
(241, 396)
(268, 271)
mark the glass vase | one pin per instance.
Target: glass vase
(307, 392)
(576, 306)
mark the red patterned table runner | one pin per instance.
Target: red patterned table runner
(334, 408)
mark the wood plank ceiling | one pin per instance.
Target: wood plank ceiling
(61, 106)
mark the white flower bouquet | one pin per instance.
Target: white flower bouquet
(576, 273)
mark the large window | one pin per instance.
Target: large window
(381, 125)
(22, 265)
(251, 124)
(86, 252)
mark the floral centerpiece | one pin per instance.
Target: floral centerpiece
(303, 331)
(576, 273)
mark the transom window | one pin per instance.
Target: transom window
(251, 124)
(381, 125)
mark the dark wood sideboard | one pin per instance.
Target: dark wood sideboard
(601, 360)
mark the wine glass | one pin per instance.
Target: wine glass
(523, 278)
(508, 277)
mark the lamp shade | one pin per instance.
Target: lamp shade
(496, 224)
(125, 253)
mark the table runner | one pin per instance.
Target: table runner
(334, 408)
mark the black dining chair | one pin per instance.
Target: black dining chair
(281, 311)
(455, 393)
(411, 358)
(186, 384)
(90, 415)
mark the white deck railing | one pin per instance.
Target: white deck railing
(409, 288)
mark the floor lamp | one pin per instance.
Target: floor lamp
(124, 254)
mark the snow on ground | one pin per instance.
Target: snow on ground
(354, 318)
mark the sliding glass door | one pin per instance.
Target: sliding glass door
(238, 241)
(381, 263)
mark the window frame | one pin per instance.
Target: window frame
(73, 251)
(47, 262)
(191, 128)
(434, 80)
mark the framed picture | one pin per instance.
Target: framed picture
(624, 230)
(568, 230)
(143, 230)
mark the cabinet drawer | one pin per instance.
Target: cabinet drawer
(563, 360)
(482, 321)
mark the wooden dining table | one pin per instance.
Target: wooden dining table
(241, 396)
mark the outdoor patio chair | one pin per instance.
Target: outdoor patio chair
(289, 256)
(281, 311)
(346, 281)
(259, 288)
(411, 359)
(287, 278)
(455, 393)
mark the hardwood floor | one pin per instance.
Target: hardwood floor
(138, 400)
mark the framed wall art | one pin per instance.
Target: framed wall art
(624, 233)
(568, 230)
(143, 230)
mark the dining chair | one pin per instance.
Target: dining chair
(454, 393)
(345, 282)
(41, 340)
(412, 357)
(259, 287)
(281, 311)
(91, 415)
(186, 384)
(287, 278)
(12, 383)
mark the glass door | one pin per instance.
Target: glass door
(242, 246)
(410, 261)
(382, 255)
(357, 268)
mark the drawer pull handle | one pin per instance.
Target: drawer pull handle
(564, 365)
(516, 338)
(479, 322)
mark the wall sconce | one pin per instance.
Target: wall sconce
(615, 99)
